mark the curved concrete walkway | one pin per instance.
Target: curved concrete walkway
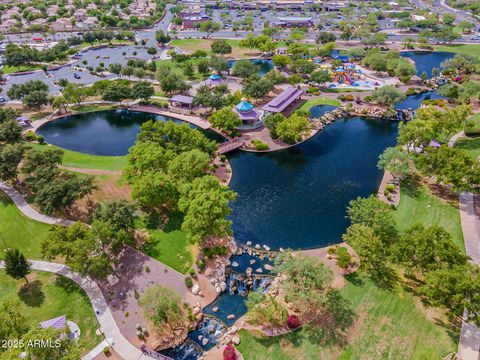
(108, 326)
(454, 138)
(27, 210)
(469, 343)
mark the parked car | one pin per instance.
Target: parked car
(76, 76)
(2, 99)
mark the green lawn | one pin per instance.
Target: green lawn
(86, 161)
(47, 296)
(170, 245)
(321, 101)
(471, 146)
(475, 120)
(419, 205)
(390, 325)
(19, 231)
(467, 49)
(13, 69)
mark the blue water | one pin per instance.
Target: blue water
(264, 65)
(415, 101)
(109, 133)
(244, 263)
(319, 110)
(297, 197)
(426, 61)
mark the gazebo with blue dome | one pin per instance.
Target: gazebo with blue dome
(214, 80)
(247, 112)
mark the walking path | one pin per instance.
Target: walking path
(469, 343)
(108, 326)
(91, 171)
(195, 120)
(27, 210)
(454, 138)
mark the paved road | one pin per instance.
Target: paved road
(28, 211)
(469, 343)
(105, 318)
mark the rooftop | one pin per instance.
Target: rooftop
(283, 100)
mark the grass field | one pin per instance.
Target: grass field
(471, 146)
(13, 69)
(390, 325)
(19, 231)
(467, 49)
(48, 296)
(86, 161)
(170, 245)
(475, 120)
(322, 101)
(419, 205)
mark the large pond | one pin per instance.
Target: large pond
(426, 61)
(110, 132)
(297, 197)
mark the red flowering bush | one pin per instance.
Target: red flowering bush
(229, 353)
(293, 321)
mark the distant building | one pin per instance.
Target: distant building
(181, 101)
(417, 17)
(190, 22)
(214, 80)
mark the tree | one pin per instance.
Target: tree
(10, 131)
(188, 165)
(16, 265)
(466, 26)
(271, 121)
(450, 166)
(36, 99)
(424, 249)
(257, 87)
(448, 18)
(62, 347)
(307, 280)
(161, 37)
(225, 119)
(10, 157)
(212, 97)
(19, 91)
(173, 83)
(117, 91)
(244, 68)
(60, 103)
(163, 307)
(221, 47)
(120, 214)
(249, 42)
(205, 205)
(74, 93)
(375, 214)
(142, 90)
(395, 161)
(281, 60)
(324, 37)
(387, 95)
(13, 323)
(151, 50)
(209, 27)
(115, 68)
(293, 129)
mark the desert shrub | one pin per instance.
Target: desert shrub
(293, 321)
(260, 145)
(343, 257)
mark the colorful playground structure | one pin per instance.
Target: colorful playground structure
(349, 76)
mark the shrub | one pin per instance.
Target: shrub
(200, 265)
(260, 145)
(229, 353)
(293, 321)
(223, 158)
(342, 97)
(40, 139)
(349, 98)
(106, 350)
(193, 274)
(147, 269)
(390, 187)
(343, 257)
(332, 250)
(386, 191)
(30, 136)
(215, 251)
(188, 282)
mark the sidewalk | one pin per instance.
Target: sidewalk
(469, 343)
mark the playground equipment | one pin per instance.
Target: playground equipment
(344, 74)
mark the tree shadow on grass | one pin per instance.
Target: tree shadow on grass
(32, 294)
(411, 186)
(69, 286)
